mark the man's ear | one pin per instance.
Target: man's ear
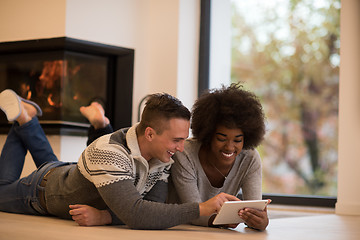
(149, 133)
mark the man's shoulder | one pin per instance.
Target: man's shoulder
(110, 143)
(119, 138)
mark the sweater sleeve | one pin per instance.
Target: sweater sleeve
(158, 192)
(251, 186)
(184, 177)
(127, 204)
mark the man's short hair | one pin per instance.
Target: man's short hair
(159, 108)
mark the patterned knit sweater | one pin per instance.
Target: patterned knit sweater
(111, 174)
(115, 157)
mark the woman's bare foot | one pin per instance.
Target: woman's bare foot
(28, 111)
(95, 114)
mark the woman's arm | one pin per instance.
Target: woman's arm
(251, 190)
(184, 177)
(252, 182)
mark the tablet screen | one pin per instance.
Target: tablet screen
(228, 213)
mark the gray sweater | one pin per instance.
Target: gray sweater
(111, 174)
(192, 185)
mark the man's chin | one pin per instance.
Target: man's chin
(165, 160)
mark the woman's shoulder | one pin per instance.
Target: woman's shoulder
(191, 148)
(249, 158)
(250, 153)
(190, 153)
(191, 144)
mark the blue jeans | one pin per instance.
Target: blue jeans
(21, 195)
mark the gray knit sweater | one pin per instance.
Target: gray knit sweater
(192, 185)
(111, 174)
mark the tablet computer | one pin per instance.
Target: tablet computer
(228, 213)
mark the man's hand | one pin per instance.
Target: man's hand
(85, 215)
(255, 218)
(214, 204)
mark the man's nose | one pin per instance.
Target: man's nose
(180, 147)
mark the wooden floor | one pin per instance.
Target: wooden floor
(305, 227)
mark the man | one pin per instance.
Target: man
(124, 172)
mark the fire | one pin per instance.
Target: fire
(51, 80)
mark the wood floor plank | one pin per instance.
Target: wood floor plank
(327, 226)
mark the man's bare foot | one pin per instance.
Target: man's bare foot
(95, 114)
(28, 111)
(17, 108)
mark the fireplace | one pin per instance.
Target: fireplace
(62, 74)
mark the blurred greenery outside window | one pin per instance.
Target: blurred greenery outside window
(288, 53)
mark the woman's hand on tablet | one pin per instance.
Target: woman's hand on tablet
(255, 218)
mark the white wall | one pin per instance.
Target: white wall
(349, 110)
(23, 19)
(220, 44)
(188, 54)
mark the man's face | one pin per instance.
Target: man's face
(172, 138)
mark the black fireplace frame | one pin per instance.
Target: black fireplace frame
(119, 83)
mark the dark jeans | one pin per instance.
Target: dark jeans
(21, 195)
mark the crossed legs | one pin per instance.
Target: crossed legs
(20, 195)
(25, 134)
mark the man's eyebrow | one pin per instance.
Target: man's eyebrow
(180, 138)
(240, 135)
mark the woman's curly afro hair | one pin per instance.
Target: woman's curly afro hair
(231, 107)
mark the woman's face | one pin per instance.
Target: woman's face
(227, 143)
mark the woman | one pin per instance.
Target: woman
(227, 125)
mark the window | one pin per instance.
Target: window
(287, 52)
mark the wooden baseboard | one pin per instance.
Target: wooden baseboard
(347, 208)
